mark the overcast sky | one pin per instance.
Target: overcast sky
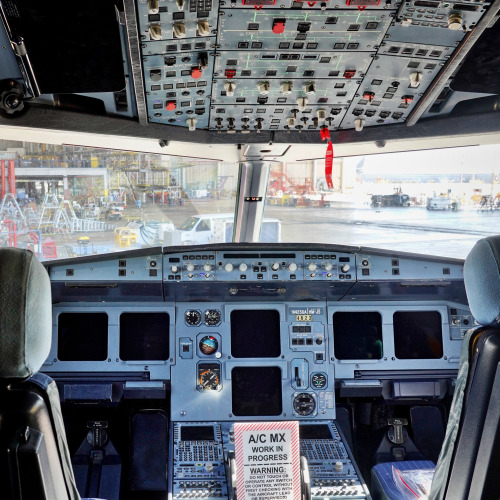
(474, 159)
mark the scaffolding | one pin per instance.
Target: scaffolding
(11, 213)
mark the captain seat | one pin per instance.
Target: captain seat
(34, 456)
(469, 461)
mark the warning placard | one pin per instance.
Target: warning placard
(267, 460)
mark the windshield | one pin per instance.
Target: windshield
(189, 224)
(67, 201)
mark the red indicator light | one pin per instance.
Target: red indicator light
(196, 73)
(170, 105)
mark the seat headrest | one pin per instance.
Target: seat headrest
(25, 314)
(482, 280)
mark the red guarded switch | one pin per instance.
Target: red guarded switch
(196, 73)
(369, 96)
(349, 73)
(278, 26)
(171, 105)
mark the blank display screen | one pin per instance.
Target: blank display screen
(357, 335)
(144, 336)
(255, 334)
(197, 433)
(418, 335)
(256, 391)
(82, 337)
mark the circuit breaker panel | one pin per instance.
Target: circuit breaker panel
(251, 65)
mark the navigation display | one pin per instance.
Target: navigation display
(418, 335)
(357, 335)
(255, 333)
(256, 391)
(144, 336)
(82, 337)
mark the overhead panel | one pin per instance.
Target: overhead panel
(254, 65)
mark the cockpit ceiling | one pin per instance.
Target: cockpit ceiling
(249, 71)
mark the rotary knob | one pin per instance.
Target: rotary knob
(264, 88)
(179, 30)
(190, 268)
(328, 266)
(229, 267)
(310, 88)
(286, 88)
(345, 268)
(207, 267)
(292, 267)
(203, 28)
(302, 103)
(243, 267)
(321, 114)
(275, 266)
(155, 32)
(312, 266)
(174, 269)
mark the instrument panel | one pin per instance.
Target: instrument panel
(268, 334)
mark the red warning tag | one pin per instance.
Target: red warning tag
(329, 164)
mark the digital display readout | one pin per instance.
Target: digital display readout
(303, 317)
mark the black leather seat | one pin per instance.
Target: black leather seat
(469, 461)
(34, 457)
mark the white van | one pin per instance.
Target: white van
(218, 228)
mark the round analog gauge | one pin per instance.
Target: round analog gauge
(304, 404)
(209, 380)
(193, 318)
(318, 380)
(209, 345)
(212, 317)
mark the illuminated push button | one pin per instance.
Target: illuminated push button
(312, 266)
(196, 73)
(278, 27)
(243, 267)
(171, 105)
(292, 267)
(229, 267)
